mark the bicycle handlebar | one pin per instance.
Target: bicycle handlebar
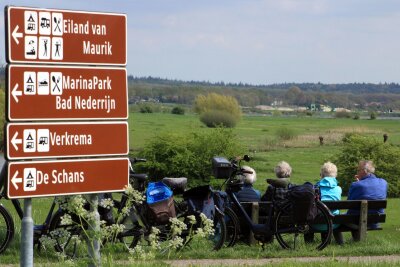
(135, 160)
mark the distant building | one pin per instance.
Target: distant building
(342, 110)
(324, 108)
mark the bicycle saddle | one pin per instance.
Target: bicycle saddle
(279, 182)
(140, 177)
(177, 185)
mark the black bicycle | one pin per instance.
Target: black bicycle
(197, 200)
(280, 221)
(70, 236)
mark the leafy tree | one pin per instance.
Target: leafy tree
(385, 156)
(216, 109)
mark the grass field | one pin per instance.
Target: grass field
(258, 134)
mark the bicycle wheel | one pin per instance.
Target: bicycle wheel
(217, 239)
(132, 232)
(6, 228)
(69, 237)
(292, 235)
(232, 227)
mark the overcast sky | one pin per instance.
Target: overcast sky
(254, 41)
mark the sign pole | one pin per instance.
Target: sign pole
(94, 227)
(27, 235)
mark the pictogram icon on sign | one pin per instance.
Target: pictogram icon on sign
(45, 23)
(43, 83)
(30, 179)
(30, 22)
(29, 83)
(44, 48)
(57, 23)
(56, 83)
(30, 47)
(29, 140)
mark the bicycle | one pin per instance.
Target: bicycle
(194, 203)
(69, 243)
(280, 221)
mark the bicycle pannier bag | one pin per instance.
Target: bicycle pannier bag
(200, 200)
(302, 198)
(160, 202)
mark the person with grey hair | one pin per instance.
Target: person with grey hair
(330, 190)
(367, 187)
(247, 193)
(280, 188)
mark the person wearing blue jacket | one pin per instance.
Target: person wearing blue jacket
(367, 187)
(331, 191)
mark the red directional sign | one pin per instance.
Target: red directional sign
(67, 177)
(65, 37)
(71, 139)
(66, 93)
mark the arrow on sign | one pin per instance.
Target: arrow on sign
(15, 141)
(16, 93)
(16, 180)
(16, 34)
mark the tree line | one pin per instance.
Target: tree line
(355, 96)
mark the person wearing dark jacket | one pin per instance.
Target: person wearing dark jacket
(282, 171)
(247, 193)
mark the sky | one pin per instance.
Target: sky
(253, 41)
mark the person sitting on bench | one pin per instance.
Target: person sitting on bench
(330, 190)
(247, 193)
(367, 187)
(282, 171)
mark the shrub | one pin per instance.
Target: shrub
(356, 116)
(146, 109)
(178, 110)
(372, 115)
(385, 156)
(215, 118)
(178, 155)
(222, 109)
(342, 115)
(284, 133)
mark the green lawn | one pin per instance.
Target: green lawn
(258, 135)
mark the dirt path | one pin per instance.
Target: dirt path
(393, 259)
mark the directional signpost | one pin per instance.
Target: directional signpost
(67, 177)
(77, 101)
(71, 139)
(66, 93)
(65, 37)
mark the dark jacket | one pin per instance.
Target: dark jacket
(248, 194)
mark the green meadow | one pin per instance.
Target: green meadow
(260, 137)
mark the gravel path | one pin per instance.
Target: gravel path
(393, 259)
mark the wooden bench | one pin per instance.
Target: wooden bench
(355, 223)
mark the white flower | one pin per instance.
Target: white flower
(191, 219)
(177, 226)
(66, 219)
(107, 203)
